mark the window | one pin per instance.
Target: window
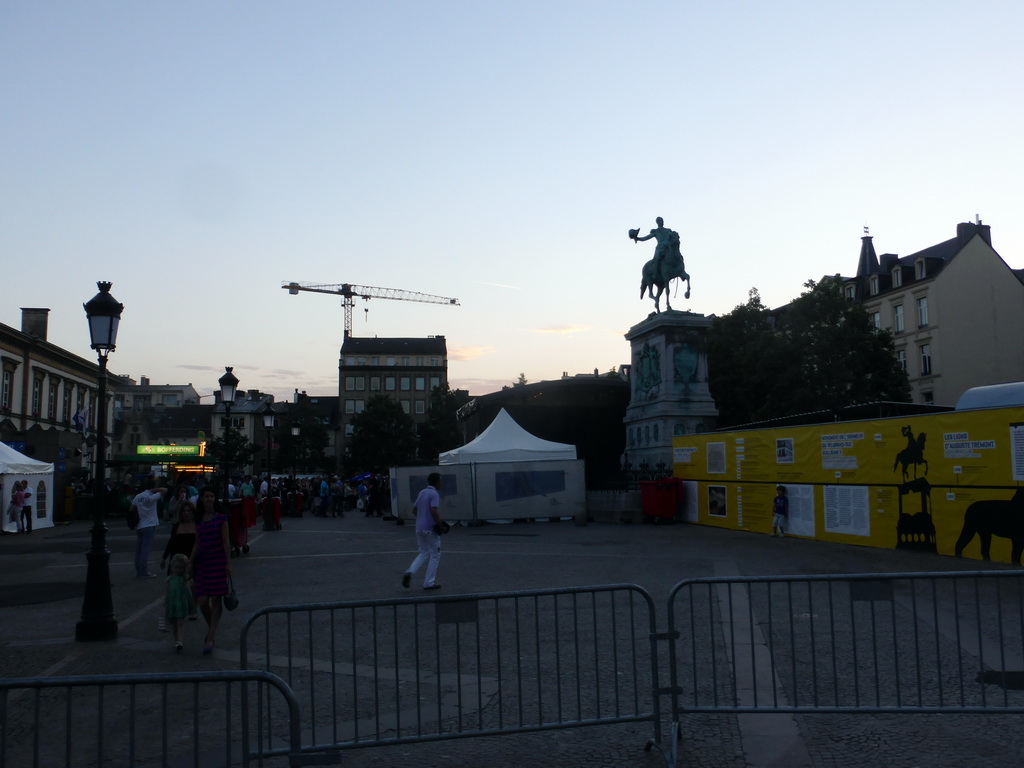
(374, 360)
(419, 361)
(851, 292)
(435, 361)
(874, 285)
(926, 359)
(420, 408)
(435, 382)
(919, 269)
(350, 360)
(391, 360)
(5, 392)
(65, 410)
(928, 397)
(421, 383)
(350, 406)
(37, 396)
(897, 277)
(876, 320)
(405, 360)
(405, 405)
(170, 400)
(355, 383)
(360, 406)
(922, 312)
(897, 318)
(51, 403)
(375, 383)
(389, 383)
(405, 383)
(901, 359)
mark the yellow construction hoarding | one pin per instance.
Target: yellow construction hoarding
(951, 483)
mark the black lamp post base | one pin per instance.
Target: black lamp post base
(94, 630)
(98, 621)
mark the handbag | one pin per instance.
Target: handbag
(441, 528)
(231, 598)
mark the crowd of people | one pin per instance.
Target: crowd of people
(197, 555)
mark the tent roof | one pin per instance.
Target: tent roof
(505, 440)
(14, 462)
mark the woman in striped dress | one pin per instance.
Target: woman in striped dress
(211, 562)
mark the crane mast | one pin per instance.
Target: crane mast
(349, 293)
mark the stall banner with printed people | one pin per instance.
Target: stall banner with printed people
(950, 482)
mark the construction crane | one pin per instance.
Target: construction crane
(349, 293)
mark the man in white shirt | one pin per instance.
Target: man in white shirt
(145, 504)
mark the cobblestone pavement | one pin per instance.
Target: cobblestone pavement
(355, 557)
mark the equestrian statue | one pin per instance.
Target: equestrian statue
(666, 266)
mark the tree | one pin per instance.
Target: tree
(383, 436)
(305, 452)
(231, 449)
(521, 381)
(440, 431)
(820, 352)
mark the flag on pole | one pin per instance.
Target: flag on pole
(80, 419)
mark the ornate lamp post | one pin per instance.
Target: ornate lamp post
(228, 387)
(268, 424)
(98, 621)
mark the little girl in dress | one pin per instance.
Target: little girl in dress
(178, 604)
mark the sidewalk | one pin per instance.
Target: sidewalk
(328, 559)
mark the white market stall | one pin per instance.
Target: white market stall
(15, 466)
(504, 473)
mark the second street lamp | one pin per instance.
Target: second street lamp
(268, 504)
(98, 621)
(228, 387)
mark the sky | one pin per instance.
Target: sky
(198, 155)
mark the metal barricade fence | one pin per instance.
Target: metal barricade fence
(894, 642)
(384, 672)
(142, 720)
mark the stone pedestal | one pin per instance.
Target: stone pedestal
(669, 385)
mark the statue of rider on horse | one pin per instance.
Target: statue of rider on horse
(666, 266)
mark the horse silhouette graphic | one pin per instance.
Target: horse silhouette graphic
(912, 455)
(994, 517)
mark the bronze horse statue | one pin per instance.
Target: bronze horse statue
(666, 266)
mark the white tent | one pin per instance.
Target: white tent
(505, 440)
(39, 474)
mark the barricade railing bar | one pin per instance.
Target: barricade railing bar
(892, 642)
(142, 720)
(385, 672)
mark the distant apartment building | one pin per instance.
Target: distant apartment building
(404, 370)
(956, 310)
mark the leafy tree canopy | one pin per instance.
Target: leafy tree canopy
(383, 436)
(820, 352)
(440, 431)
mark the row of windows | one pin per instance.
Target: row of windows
(55, 398)
(391, 360)
(920, 272)
(419, 407)
(403, 383)
(898, 322)
(924, 359)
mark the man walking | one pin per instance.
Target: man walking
(146, 505)
(427, 540)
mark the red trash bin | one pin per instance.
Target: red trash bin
(272, 514)
(249, 511)
(238, 533)
(660, 498)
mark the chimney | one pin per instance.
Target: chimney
(966, 230)
(34, 322)
(143, 381)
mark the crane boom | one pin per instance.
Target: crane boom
(349, 293)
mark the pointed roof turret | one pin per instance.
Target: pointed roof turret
(868, 264)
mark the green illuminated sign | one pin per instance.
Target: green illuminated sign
(168, 450)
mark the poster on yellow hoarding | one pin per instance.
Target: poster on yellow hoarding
(951, 483)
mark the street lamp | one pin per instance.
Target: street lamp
(98, 621)
(296, 431)
(268, 424)
(228, 387)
